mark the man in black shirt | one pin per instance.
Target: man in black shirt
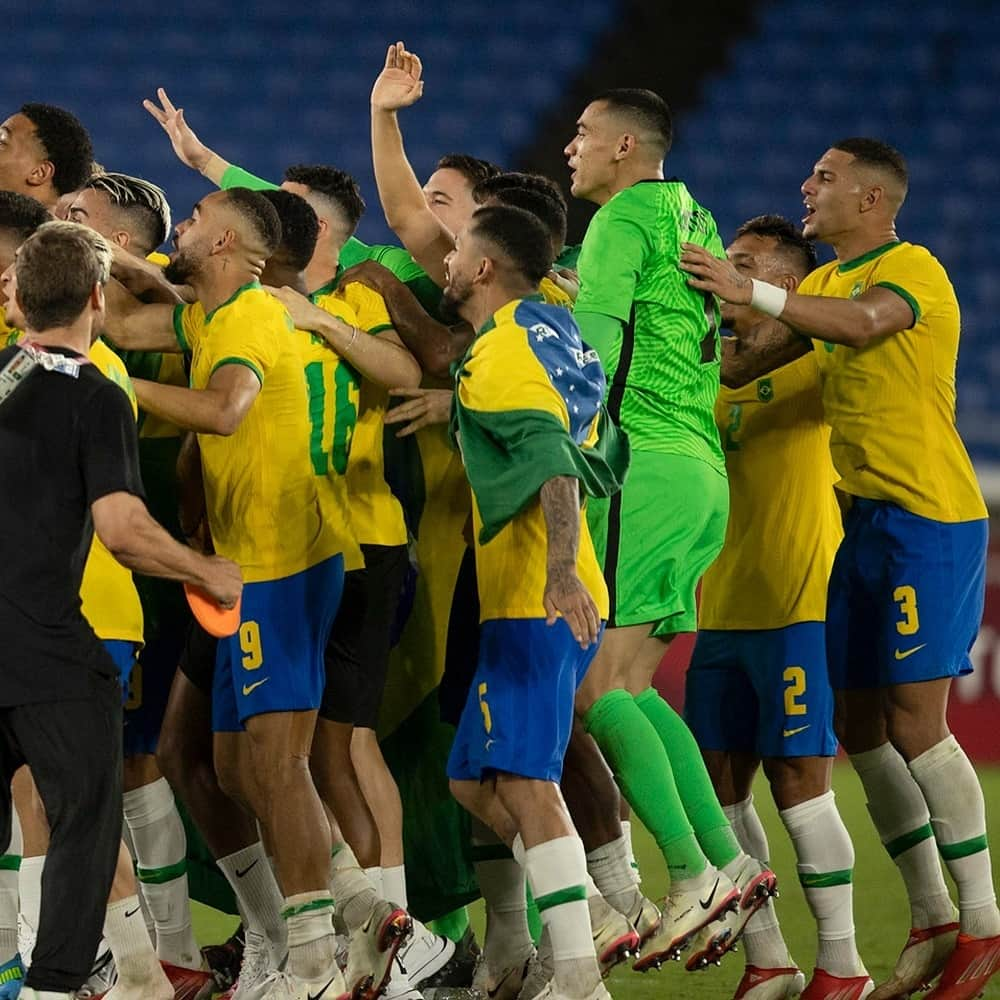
(68, 456)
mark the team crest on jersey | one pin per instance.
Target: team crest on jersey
(857, 288)
(765, 390)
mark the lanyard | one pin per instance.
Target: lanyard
(28, 358)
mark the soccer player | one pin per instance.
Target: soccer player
(907, 587)
(535, 563)
(248, 405)
(61, 272)
(20, 216)
(757, 687)
(44, 153)
(659, 344)
(133, 213)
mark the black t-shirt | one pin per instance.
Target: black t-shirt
(64, 443)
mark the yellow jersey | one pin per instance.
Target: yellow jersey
(784, 522)
(333, 391)
(891, 404)
(110, 600)
(260, 490)
(553, 294)
(376, 513)
(9, 335)
(533, 341)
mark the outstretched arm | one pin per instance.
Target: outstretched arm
(132, 325)
(398, 86)
(565, 593)
(769, 345)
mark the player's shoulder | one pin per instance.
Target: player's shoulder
(911, 256)
(107, 362)
(337, 305)
(553, 294)
(250, 308)
(369, 305)
(816, 278)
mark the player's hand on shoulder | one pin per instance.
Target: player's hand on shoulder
(566, 279)
(190, 150)
(714, 274)
(222, 579)
(421, 408)
(369, 273)
(566, 595)
(303, 312)
(399, 84)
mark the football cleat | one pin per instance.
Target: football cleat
(550, 992)
(189, 984)
(255, 968)
(615, 939)
(285, 986)
(11, 978)
(425, 954)
(224, 959)
(373, 947)
(644, 916)
(770, 984)
(923, 957)
(971, 966)
(823, 986)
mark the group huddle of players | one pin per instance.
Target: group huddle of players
(588, 450)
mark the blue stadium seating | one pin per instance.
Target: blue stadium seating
(921, 75)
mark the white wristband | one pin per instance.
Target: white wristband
(766, 298)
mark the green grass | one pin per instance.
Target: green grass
(881, 914)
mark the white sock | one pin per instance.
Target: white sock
(899, 811)
(958, 815)
(130, 943)
(825, 857)
(249, 873)
(353, 894)
(312, 950)
(765, 945)
(161, 857)
(27, 993)
(394, 883)
(377, 877)
(633, 864)
(147, 914)
(609, 867)
(29, 886)
(10, 864)
(749, 830)
(501, 881)
(557, 871)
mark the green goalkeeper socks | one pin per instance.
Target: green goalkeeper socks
(701, 804)
(636, 755)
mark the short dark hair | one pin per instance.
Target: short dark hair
(474, 170)
(877, 154)
(487, 188)
(547, 210)
(299, 227)
(519, 235)
(21, 215)
(787, 235)
(337, 186)
(66, 143)
(646, 108)
(57, 269)
(260, 214)
(143, 202)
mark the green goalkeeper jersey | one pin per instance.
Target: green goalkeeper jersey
(663, 365)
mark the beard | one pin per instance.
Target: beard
(455, 296)
(184, 266)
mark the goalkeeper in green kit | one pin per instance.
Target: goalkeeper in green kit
(658, 340)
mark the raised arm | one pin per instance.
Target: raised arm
(434, 344)
(565, 593)
(398, 86)
(876, 313)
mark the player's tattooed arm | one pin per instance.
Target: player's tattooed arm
(398, 86)
(435, 345)
(770, 344)
(565, 595)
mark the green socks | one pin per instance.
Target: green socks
(636, 754)
(701, 804)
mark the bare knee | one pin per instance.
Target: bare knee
(859, 720)
(795, 780)
(915, 723)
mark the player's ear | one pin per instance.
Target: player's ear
(224, 241)
(871, 198)
(625, 146)
(122, 238)
(789, 282)
(485, 271)
(41, 173)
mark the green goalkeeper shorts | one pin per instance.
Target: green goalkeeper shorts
(657, 537)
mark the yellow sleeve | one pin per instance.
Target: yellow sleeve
(914, 275)
(112, 367)
(373, 314)
(248, 333)
(340, 308)
(189, 322)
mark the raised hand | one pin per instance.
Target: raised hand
(190, 150)
(399, 84)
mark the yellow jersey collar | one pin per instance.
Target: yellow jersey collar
(850, 265)
(232, 298)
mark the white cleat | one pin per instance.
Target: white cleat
(285, 986)
(923, 957)
(373, 947)
(615, 939)
(400, 986)
(258, 964)
(425, 954)
(770, 984)
(600, 992)
(644, 916)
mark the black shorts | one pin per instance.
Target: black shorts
(198, 658)
(357, 654)
(462, 647)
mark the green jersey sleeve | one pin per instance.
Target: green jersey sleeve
(237, 177)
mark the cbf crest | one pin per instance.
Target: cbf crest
(765, 390)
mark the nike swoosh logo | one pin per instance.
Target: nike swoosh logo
(902, 655)
(247, 688)
(249, 868)
(794, 732)
(132, 913)
(706, 903)
(316, 996)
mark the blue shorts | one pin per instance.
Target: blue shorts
(149, 690)
(764, 692)
(905, 598)
(519, 713)
(274, 663)
(123, 652)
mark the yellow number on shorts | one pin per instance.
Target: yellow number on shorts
(906, 598)
(250, 644)
(134, 698)
(484, 708)
(795, 678)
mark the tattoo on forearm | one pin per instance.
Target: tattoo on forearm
(560, 501)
